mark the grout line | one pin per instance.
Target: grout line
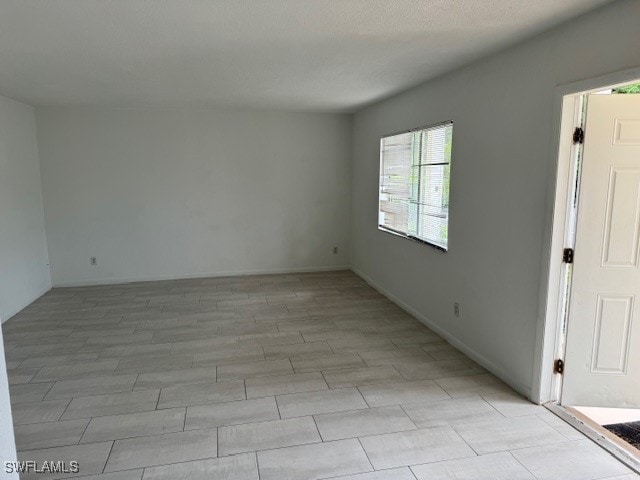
(275, 400)
(84, 431)
(65, 409)
(520, 463)
(365, 453)
(108, 456)
(158, 399)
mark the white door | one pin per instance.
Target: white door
(602, 361)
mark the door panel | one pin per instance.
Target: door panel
(611, 334)
(622, 224)
(602, 360)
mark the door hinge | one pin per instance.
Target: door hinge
(578, 135)
(567, 255)
(558, 366)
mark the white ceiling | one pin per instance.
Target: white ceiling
(323, 55)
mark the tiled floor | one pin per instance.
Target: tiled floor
(280, 377)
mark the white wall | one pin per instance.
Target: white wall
(502, 108)
(179, 193)
(24, 263)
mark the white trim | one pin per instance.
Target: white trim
(545, 385)
(25, 304)
(497, 370)
(186, 276)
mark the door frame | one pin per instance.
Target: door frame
(550, 337)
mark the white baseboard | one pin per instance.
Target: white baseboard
(454, 341)
(25, 304)
(229, 273)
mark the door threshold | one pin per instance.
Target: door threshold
(613, 444)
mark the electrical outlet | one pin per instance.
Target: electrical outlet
(335, 250)
(456, 309)
(93, 261)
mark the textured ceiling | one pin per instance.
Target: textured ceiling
(322, 55)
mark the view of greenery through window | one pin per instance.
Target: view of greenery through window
(414, 184)
(635, 88)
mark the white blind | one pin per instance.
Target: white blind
(414, 184)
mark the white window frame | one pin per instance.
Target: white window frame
(408, 236)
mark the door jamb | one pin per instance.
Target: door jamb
(549, 334)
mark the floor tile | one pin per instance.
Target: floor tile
(235, 467)
(494, 466)
(443, 351)
(112, 340)
(29, 392)
(415, 447)
(327, 401)
(111, 404)
(124, 475)
(327, 362)
(204, 345)
(361, 376)
(344, 345)
(91, 458)
(390, 474)
(435, 369)
(581, 460)
(327, 335)
(630, 476)
(91, 386)
(358, 423)
(414, 340)
(513, 405)
(375, 358)
(283, 384)
(122, 351)
(228, 357)
(470, 385)
(18, 376)
(273, 352)
(231, 413)
(560, 426)
(71, 372)
(254, 369)
(175, 377)
(403, 393)
(266, 435)
(67, 359)
(36, 412)
(49, 434)
(201, 393)
(51, 348)
(508, 434)
(459, 411)
(99, 331)
(263, 339)
(313, 462)
(160, 363)
(162, 449)
(129, 425)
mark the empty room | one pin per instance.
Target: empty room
(320, 239)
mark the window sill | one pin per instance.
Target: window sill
(413, 239)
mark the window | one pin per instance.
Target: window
(414, 184)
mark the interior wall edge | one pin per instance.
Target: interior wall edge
(25, 273)
(13, 312)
